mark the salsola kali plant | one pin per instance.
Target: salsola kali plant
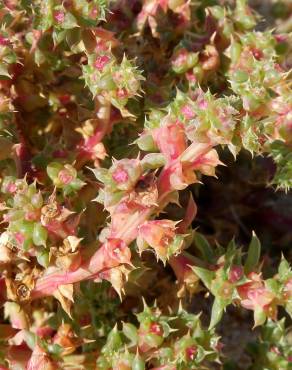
(112, 115)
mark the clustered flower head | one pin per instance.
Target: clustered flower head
(112, 115)
(161, 342)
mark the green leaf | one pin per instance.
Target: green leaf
(204, 247)
(217, 312)
(40, 235)
(205, 275)
(53, 170)
(253, 255)
(114, 341)
(43, 258)
(284, 269)
(138, 363)
(69, 22)
(259, 317)
(153, 161)
(273, 285)
(30, 339)
(4, 74)
(288, 308)
(130, 332)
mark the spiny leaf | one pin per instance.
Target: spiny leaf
(253, 255)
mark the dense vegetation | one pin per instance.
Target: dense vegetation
(146, 167)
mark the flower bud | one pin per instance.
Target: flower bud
(101, 62)
(235, 274)
(183, 60)
(125, 173)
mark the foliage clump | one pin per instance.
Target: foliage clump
(113, 114)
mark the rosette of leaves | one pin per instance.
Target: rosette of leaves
(233, 281)
(64, 177)
(116, 82)
(274, 348)
(160, 341)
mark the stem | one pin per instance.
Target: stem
(47, 284)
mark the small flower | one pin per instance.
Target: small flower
(191, 353)
(11, 188)
(254, 294)
(120, 175)
(126, 173)
(155, 328)
(235, 274)
(188, 112)
(4, 41)
(59, 16)
(180, 58)
(65, 176)
(101, 62)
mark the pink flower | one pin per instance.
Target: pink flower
(191, 77)
(180, 58)
(19, 237)
(122, 93)
(11, 188)
(191, 353)
(120, 175)
(235, 274)
(254, 294)
(4, 41)
(203, 104)
(126, 173)
(65, 177)
(188, 112)
(257, 53)
(156, 329)
(101, 62)
(59, 16)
